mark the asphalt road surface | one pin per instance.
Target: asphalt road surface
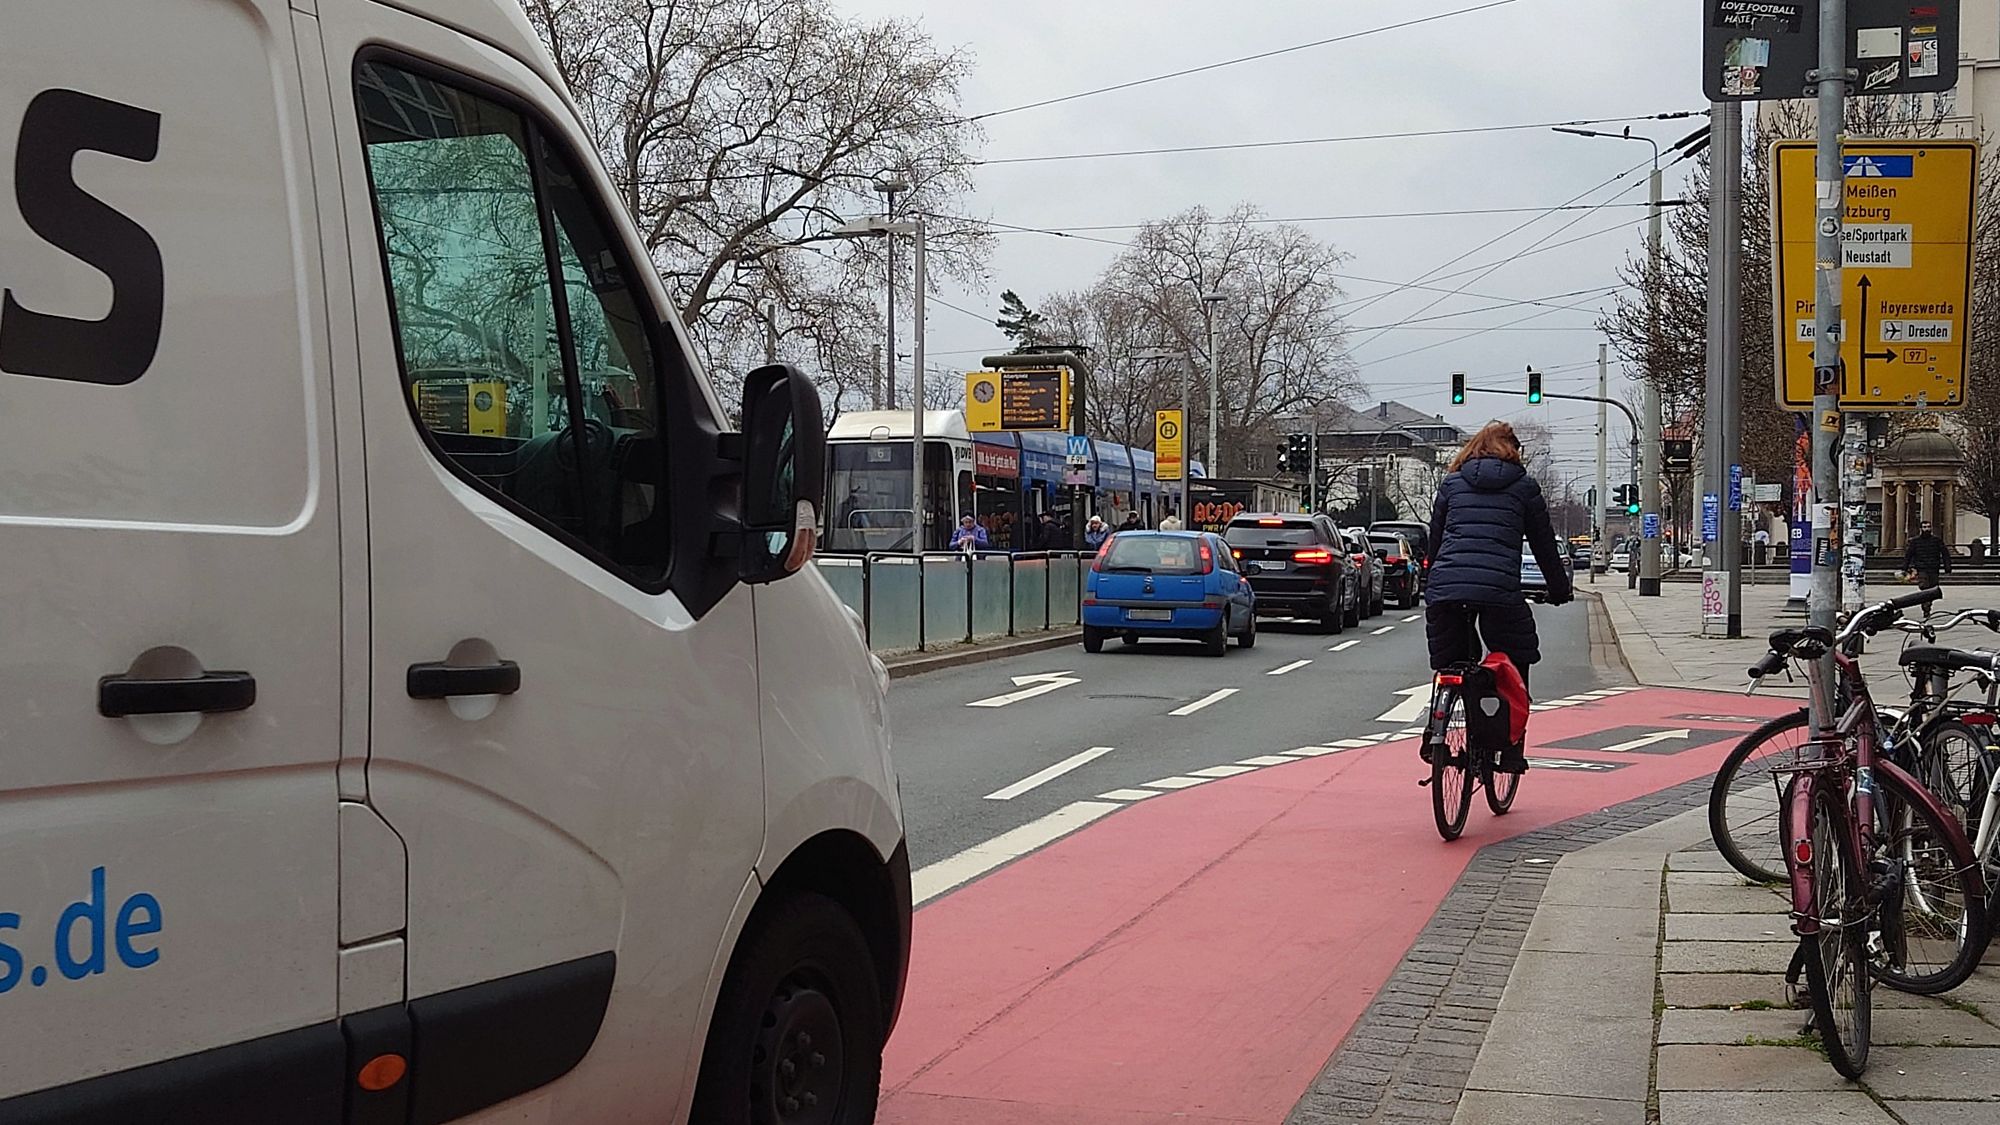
(967, 770)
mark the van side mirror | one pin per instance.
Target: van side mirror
(784, 472)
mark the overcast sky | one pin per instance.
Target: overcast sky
(1525, 62)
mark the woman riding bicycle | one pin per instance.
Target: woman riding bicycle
(1485, 509)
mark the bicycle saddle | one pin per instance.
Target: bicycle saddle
(1809, 641)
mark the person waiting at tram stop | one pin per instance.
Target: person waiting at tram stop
(969, 536)
(1095, 533)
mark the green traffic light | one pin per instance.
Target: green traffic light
(1631, 509)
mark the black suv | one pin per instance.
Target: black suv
(1302, 567)
(1418, 533)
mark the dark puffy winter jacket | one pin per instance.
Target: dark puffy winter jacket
(1483, 513)
(1927, 553)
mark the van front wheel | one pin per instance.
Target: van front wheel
(797, 1032)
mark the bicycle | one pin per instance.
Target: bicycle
(1868, 904)
(1458, 767)
(1939, 739)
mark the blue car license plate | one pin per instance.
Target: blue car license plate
(1149, 615)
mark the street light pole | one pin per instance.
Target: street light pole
(1603, 480)
(917, 385)
(889, 186)
(1649, 479)
(1209, 300)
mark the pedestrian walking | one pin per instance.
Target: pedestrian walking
(1131, 523)
(1171, 523)
(1926, 557)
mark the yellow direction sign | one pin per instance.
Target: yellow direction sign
(1906, 244)
(1024, 399)
(1169, 446)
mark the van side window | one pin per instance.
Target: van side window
(524, 353)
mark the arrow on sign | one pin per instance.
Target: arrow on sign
(1044, 683)
(1887, 355)
(1652, 739)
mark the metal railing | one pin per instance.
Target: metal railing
(910, 603)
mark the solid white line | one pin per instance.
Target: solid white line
(1382, 630)
(1212, 697)
(934, 880)
(1047, 775)
(1292, 667)
(1343, 646)
(1413, 617)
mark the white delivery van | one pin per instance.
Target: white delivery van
(414, 707)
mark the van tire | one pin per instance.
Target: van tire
(1093, 639)
(802, 979)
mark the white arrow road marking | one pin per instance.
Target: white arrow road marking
(1382, 630)
(1045, 682)
(1415, 700)
(1652, 739)
(1204, 701)
(1343, 646)
(934, 880)
(1284, 668)
(1048, 775)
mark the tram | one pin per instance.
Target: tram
(1002, 480)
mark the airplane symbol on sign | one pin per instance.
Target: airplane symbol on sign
(1892, 331)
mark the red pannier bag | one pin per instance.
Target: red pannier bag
(1512, 690)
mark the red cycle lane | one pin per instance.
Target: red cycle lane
(1198, 956)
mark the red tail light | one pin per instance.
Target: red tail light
(1097, 564)
(1803, 852)
(1207, 559)
(1313, 555)
(1394, 560)
(1451, 680)
(1238, 554)
(1270, 523)
(1979, 720)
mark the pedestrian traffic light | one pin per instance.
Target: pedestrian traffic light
(1458, 388)
(1285, 457)
(1295, 456)
(1534, 387)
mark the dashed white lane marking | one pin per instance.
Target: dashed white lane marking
(1382, 630)
(934, 880)
(1204, 701)
(1413, 617)
(1222, 771)
(1042, 777)
(1314, 751)
(1409, 732)
(1176, 782)
(1129, 794)
(1284, 668)
(1267, 760)
(1354, 743)
(1343, 646)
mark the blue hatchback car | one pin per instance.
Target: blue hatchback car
(1182, 584)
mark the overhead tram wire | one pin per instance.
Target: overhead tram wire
(1342, 38)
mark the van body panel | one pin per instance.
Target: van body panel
(167, 510)
(614, 802)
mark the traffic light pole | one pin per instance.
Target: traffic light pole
(1601, 399)
(1603, 480)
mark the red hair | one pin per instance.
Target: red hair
(1495, 439)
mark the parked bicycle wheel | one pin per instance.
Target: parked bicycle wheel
(1836, 958)
(1934, 937)
(1743, 802)
(1955, 749)
(1452, 770)
(1500, 788)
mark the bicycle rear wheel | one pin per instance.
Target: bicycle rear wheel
(1836, 958)
(1933, 938)
(1500, 788)
(1743, 802)
(1452, 770)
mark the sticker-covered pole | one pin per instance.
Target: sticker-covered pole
(1728, 188)
(1830, 183)
(1649, 472)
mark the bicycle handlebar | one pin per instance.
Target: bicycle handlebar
(1772, 662)
(1913, 600)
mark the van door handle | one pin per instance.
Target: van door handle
(210, 693)
(442, 681)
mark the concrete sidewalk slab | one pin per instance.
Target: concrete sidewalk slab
(1851, 1107)
(1486, 1107)
(1709, 1067)
(1572, 1054)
